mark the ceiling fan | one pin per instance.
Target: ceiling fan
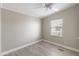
(46, 5)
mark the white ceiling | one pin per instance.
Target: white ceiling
(32, 9)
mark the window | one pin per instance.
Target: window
(56, 27)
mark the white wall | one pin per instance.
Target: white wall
(70, 29)
(18, 29)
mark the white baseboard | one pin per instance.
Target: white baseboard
(20, 47)
(26, 45)
(64, 46)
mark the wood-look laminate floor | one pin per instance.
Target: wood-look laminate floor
(43, 49)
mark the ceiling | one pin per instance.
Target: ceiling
(32, 9)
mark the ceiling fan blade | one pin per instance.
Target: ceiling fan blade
(45, 5)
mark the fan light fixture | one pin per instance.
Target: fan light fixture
(48, 6)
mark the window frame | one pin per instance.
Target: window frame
(49, 25)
